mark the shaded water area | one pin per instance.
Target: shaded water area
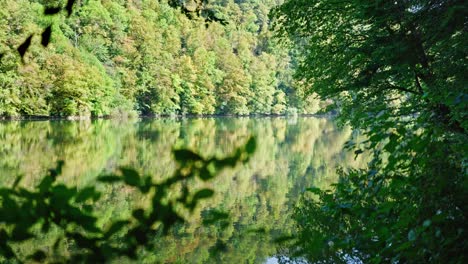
(292, 154)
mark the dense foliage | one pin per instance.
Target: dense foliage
(144, 57)
(397, 70)
(394, 69)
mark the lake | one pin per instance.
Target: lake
(293, 154)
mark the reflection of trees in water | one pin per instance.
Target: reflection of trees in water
(290, 157)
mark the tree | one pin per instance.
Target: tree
(364, 52)
(397, 70)
(150, 57)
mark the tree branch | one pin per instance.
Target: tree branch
(403, 89)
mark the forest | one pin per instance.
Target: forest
(118, 58)
(380, 178)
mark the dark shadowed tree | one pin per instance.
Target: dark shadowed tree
(397, 70)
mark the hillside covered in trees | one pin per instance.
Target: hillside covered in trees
(144, 57)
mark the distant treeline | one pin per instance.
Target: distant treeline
(145, 57)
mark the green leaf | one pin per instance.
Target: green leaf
(314, 190)
(226, 162)
(17, 181)
(205, 174)
(203, 194)
(20, 233)
(116, 227)
(38, 256)
(131, 176)
(146, 186)
(139, 214)
(183, 155)
(24, 46)
(109, 178)
(86, 194)
(357, 152)
(57, 170)
(45, 184)
(62, 193)
(251, 145)
(69, 6)
(5, 249)
(82, 241)
(52, 10)
(45, 37)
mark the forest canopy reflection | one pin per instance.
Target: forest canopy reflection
(292, 154)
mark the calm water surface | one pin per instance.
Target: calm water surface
(292, 154)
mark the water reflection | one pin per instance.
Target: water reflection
(292, 155)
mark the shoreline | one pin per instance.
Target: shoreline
(165, 116)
